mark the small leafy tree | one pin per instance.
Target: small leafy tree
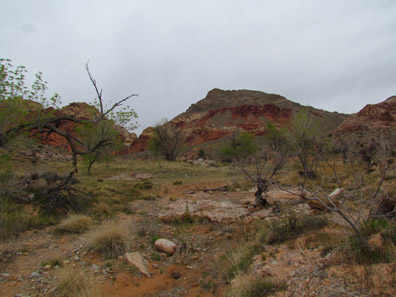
(305, 139)
(240, 147)
(16, 114)
(167, 140)
(102, 135)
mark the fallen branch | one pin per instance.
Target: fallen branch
(223, 188)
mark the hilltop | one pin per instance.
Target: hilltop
(222, 113)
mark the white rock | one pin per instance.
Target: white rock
(165, 245)
(336, 193)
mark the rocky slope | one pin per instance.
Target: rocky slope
(373, 117)
(370, 126)
(222, 113)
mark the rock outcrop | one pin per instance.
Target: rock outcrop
(373, 117)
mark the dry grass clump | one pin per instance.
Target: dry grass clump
(101, 210)
(73, 282)
(252, 286)
(110, 240)
(75, 223)
(237, 261)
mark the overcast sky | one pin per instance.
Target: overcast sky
(337, 55)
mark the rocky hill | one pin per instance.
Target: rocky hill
(222, 113)
(79, 110)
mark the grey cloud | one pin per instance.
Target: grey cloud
(337, 55)
(29, 28)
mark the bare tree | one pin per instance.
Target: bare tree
(259, 164)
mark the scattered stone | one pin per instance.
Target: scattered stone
(165, 245)
(164, 256)
(76, 258)
(176, 274)
(137, 260)
(35, 274)
(143, 176)
(155, 266)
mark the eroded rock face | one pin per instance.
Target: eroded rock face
(140, 144)
(79, 110)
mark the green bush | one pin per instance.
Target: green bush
(290, 227)
(145, 185)
(364, 254)
(15, 219)
(361, 252)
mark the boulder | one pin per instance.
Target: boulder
(165, 245)
(137, 260)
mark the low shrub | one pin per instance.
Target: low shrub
(291, 226)
(144, 185)
(15, 219)
(110, 240)
(362, 253)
